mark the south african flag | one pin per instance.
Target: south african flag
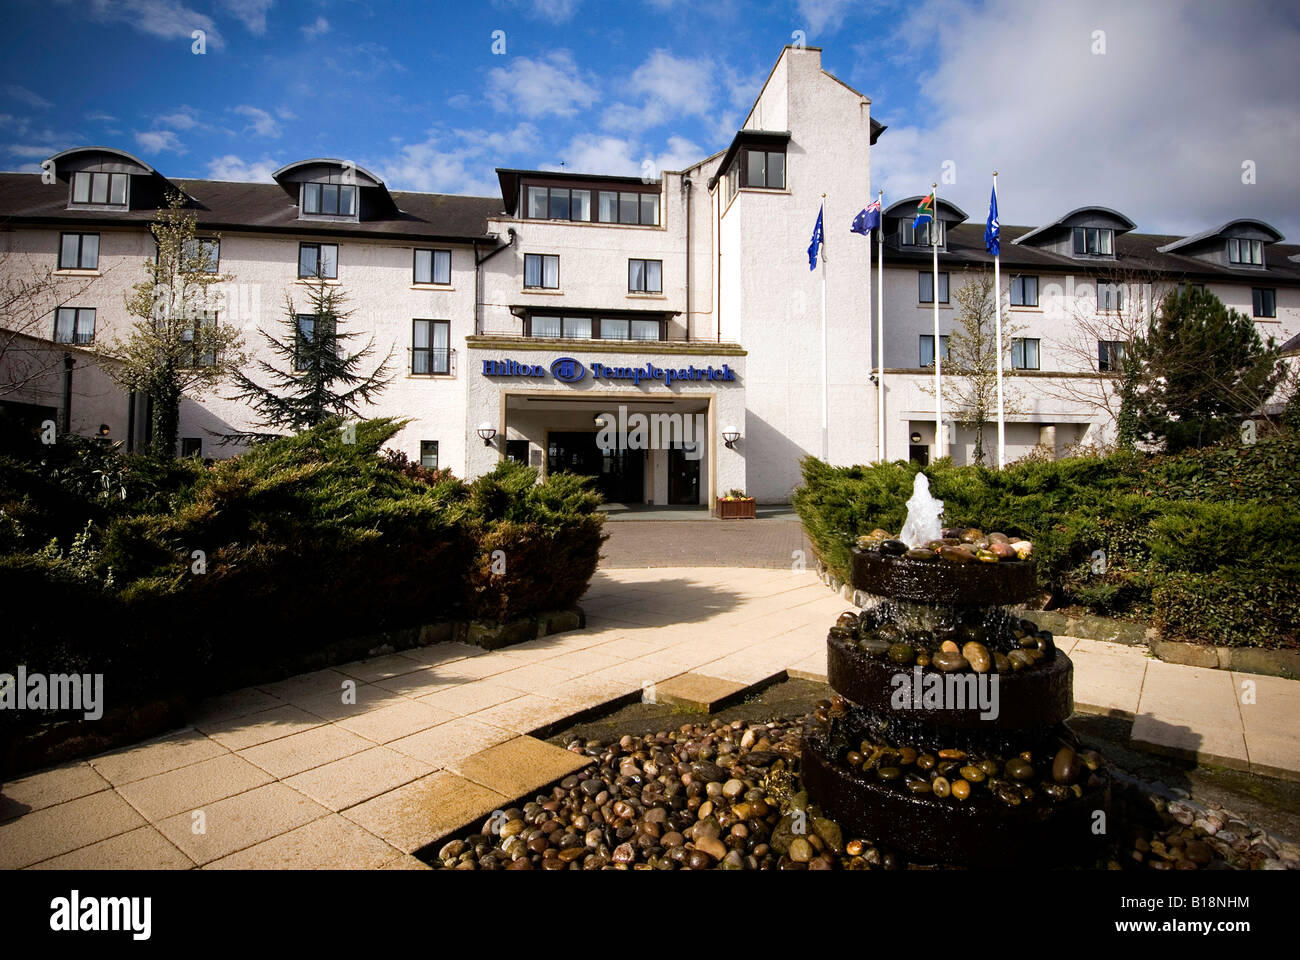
(924, 211)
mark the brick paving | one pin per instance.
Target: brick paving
(294, 775)
(765, 543)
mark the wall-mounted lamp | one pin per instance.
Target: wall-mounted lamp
(104, 430)
(916, 437)
(486, 433)
(600, 420)
(730, 435)
(874, 379)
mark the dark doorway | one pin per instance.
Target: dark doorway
(683, 477)
(517, 450)
(620, 474)
(919, 453)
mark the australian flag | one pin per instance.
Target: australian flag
(816, 243)
(991, 229)
(867, 219)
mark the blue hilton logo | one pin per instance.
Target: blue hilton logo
(568, 370)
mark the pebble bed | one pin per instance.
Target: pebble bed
(726, 796)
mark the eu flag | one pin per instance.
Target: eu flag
(816, 242)
(991, 230)
(867, 219)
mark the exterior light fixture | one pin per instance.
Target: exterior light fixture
(486, 432)
(600, 419)
(730, 435)
(916, 437)
(104, 430)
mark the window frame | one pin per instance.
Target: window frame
(76, 324)
(645, 276)
(907, 234)
(742, 163)
(81, 246)
(1081, 231)
(1023, 343)
(426, 443)
(944, 352)
(598, 329)
(430, 350)
(922, 275)
(1110, 355)
(318, 246)
(208, 316)
(433, 266)
(111, 178)
(1115, 304)
(320, 188)
(542, 257)
(1022, 277)
(209, 241)
(1255, 246)
(1257, 305)
(593, 190)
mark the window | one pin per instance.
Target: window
(204, 251)
(733, 181)
(1265, 302)
(1110, 297)
(590, 328)
(1184, 287)
(1024, 353)
(329, 199)
(765, 168)
(191, 446)
(1024, 291)
(1094, 241)
(1110, 355)
(100, 189)
(557, 203)
(433, 266)
(307, 334)
(542, 270)
(645, 276)
(429, 454)
(920, 236)
(925, 287)
(1249, 252)
(430, 347)
(626, 207)
(79, 251)
(74, 325)
(318, 259)
(645, 330)
(570, 328)
(612, 329)
(927, 349)
(208, 358)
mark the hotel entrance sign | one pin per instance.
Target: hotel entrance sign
(569, 370)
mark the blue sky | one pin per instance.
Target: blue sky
(1152, 108)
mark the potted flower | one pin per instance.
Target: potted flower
(735, 506)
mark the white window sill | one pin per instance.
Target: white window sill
(431, 376)
(647, 296)
(446, 287)
(1026, 309)
(77, 272)
(312, 281)
(543, 291)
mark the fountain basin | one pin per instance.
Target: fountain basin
(942, 582)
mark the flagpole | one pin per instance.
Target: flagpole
(880, 325)
(938, 350)
(825, 362)
(997, 301)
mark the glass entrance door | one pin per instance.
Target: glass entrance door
(620, 474)
(683, 476)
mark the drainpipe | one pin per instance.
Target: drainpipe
(479, 261)
(68, 364)
(686, 184)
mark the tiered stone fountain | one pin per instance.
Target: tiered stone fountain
(947, 740)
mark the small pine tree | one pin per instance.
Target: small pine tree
(319, 379)
(1203, 367)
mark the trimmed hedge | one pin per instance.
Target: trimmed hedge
(1213, 521)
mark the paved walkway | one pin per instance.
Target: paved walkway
(773, 543)
(291, 775)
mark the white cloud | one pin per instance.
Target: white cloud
(260, 122)
(459, 163)
(681, 153)
(156, 141)
(14, 92)
(182, 118)
(38, 151)
(98, 116)
(251, 12)
(540, 88)
(318, 29)
(823, 15)
(669, 87)
(165, 19)
(1157, 127)
(556, 11)
(231, 167)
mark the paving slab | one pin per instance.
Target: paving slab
(450, 741)
(439, 653)
(697, 691)
(143, 848)
(156, 756)
(420, 813)
(467, 698)
(330, 843)
(528, 713)
(1106, 684)
(65, 827)
(238, 703)
(240, 821)
(37, 791)
(519, 767)
(302, 751)
(188, 788)
(1190, 712)
(396, 720)
(240, 733)
(360, 777)
(1270, 714)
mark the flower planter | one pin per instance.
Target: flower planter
(734, 509)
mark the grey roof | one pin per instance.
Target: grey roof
(1060, 221)
(121, 153)
(1137, 254)
(906, 208)
(1217, 231)
(330, 161)
(1291, 348)
(259, 207)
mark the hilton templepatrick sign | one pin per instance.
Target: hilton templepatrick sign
(569, 370)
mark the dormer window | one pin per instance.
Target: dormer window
(1094, 242)
(329, 199)
(1246, 253)
(920, 236)
(765, 169)
(100, 189)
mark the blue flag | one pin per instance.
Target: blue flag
(867, 219)
(816, 242)
(991, 230)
